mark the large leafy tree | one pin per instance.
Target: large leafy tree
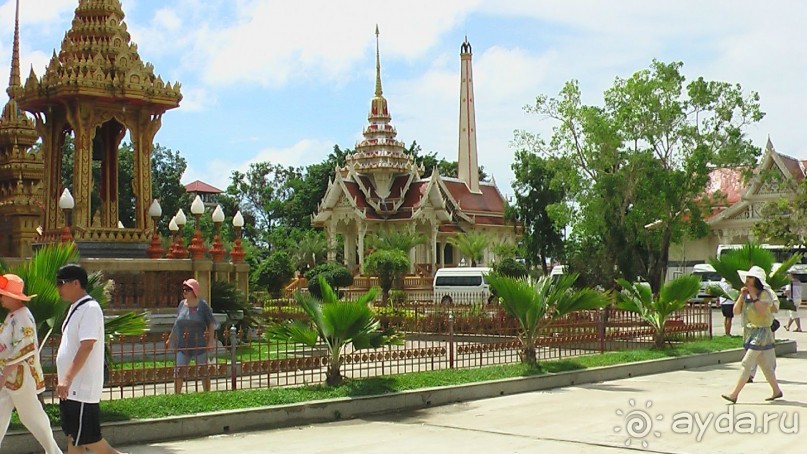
(784, 220)
(538, 194)
(337, 324)
(388, 266)
(536, 303)
(644, 158)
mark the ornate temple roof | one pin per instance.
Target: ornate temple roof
(16, 128)
(98, 59)
(379, 152)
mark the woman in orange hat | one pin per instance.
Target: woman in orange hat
(21, 378)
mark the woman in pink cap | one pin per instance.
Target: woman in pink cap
(193, 334)
(21, 378)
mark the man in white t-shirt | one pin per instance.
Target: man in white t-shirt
(80, 364)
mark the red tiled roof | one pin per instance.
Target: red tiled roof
(356, 194)
(489, 200)
(728, 182)
(448, 228)
(202, 188)
(416, 192)
(489, 220)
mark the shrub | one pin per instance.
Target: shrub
(337, 276)
(510, 267)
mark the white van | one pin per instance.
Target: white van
(463, 285)
(709, 277)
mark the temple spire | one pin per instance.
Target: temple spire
(14, 79)
(467, 161)
(378, 91)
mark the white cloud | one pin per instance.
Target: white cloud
(302, 153)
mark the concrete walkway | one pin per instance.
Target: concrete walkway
(677, 412)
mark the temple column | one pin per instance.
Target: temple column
(362, 233)
(331, 235)
(82, 179)
(433, 248)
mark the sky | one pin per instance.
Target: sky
(285, 81)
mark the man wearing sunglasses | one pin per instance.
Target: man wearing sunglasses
(80, 364)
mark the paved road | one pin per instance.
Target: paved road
(660, 411)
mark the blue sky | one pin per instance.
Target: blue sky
(284, 81)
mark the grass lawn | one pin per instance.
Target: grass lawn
(185, 404)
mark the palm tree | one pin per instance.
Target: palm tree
(48, 309)
(401, 240)
(471, 245)
(335, 323)
(536, 304)
(751, 254)
(311, 249)
(638, 297)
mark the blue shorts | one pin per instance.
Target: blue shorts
(184, 359)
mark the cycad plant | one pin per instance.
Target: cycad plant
(535, 304)
(656, 310)
(49, 310)
(335, 323)
(471, 245)
(752, 254)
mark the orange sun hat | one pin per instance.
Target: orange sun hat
(12, 285)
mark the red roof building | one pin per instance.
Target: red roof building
(380, 187)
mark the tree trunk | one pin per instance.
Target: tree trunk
(659, 338)
(658, 268)
(333, 374)
(528, 353)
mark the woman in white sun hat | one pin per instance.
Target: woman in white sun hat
(756, 304)
(21, 378)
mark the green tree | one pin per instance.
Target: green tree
(395, 240)
(388, 266)
(167, 168)
(510, 267)
(655, 311)
(273, 272)
(471, 244)
(537, 303)
(644, 156)
(537, 196)
(336, 324)
(752, 254)
(335, 274)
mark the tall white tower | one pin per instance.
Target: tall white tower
(467, 163)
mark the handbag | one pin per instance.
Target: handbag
(775, 325)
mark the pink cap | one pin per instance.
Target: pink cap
(194, 285)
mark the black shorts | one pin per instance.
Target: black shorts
(80, 421)
(728, 310)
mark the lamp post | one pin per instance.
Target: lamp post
(179, 248)
(155, 250)
(174, 228)
(237, 254)
(66, 203)
(197, 247)
(217, 251)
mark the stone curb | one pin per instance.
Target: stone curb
(216, 423)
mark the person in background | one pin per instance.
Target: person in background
(793, 293)
(726, 306)
(21, 378)
(193, 334)
(80, 364)
(756, 302)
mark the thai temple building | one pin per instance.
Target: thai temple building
(733, 221)
(380, 187)
(21, 169)
(94, 90)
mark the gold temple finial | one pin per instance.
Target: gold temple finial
(378, 91)
(14, 79)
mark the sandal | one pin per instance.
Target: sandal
(728, 398)
(773, 397)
